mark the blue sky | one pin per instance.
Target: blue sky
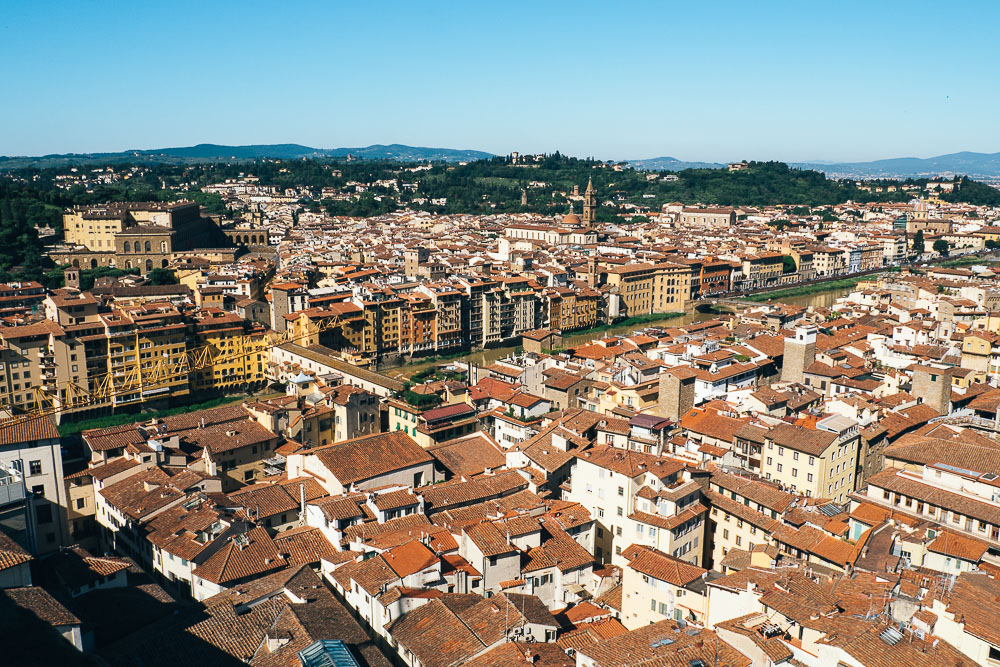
(697, 81)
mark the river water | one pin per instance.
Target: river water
(823, 299)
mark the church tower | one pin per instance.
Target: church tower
(589, 204)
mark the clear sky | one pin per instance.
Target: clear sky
(616, 80)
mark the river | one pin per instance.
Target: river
(823, 299)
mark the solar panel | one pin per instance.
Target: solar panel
(830, 509)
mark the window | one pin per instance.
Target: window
(770, 461)
(600, 512)
(35, 467)
(621, 512)
(795, 472)
(618, 551)
(621, 490)
(779, 467)
(80, 502)
(43, 513)
(618, 531)
(795, 456)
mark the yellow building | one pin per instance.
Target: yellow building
(152, 337)
(234, 349)
(654, 288)
(762, 270)
(817, 459)
(573, 309)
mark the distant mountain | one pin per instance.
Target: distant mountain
(672, 164)
(221, 153)
(982, 165)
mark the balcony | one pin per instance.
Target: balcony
(11, 488)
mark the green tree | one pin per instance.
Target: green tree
(941, 247)
(162, 277)
(918, 242)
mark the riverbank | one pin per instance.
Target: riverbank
(572, 339)
(638, 320)
(807, 290)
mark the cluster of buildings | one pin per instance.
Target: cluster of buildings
(780, 485)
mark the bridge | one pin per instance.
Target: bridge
(718, 305)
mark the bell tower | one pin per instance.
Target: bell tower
(589, 204)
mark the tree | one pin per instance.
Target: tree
(788, 264)
(941, 247)
(918, 242)
(162, 277)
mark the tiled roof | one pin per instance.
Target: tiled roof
(370, 456)
(11, 553)
(656, 564)
(446, 495)
(958, 546)
(647, 646)
(469, 455)
(249, 555)
(17, 430)
(304, 545)
(38, 601)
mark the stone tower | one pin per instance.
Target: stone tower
(589, 204)
(676, 395)
(800, 352)
(71, 276)
(933, 387)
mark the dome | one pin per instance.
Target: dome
(571, 219)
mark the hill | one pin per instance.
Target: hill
(223, 153)
(671, 164)
(981, 165)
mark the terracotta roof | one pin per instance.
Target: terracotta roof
(252, 554)
(370, 456)
(11, 553)
(958, 546)
(17, 430)
(662, 566)
(38, 601)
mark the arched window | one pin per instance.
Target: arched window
(149, 265)
(163, 264)
(93, 263)
(128, 247)
(128, 264)
(149, 246)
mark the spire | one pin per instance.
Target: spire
(590, 185)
